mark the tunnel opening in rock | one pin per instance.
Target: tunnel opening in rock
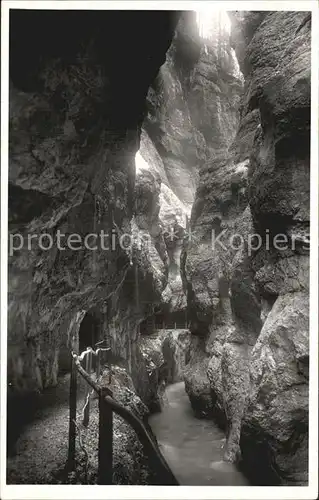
(88, 336)
(147, 326)
(88, 332)
(171, 320)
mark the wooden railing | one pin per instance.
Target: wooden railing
(172, 326)
(108, 405)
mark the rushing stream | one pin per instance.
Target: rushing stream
(192, 447)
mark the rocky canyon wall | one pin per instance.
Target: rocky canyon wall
(193, 102)
(248, 296)
(75, 123)
(141, 126)
(192, 115)
(76, 109)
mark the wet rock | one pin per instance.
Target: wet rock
(196, 380)
(156, 366)
(176, 352)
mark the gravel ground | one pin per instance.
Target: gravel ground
(40, 452)
(42, 445)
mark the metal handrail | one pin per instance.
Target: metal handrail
(107, 405)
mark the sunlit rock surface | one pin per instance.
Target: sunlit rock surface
(174, 220)
(193, 111)
(193, 103)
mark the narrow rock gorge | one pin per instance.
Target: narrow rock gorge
(246, 267)
(159, 204)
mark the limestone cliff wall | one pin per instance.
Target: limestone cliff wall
(193, 103)
(249, 305)
(192, 115)
(76, 108)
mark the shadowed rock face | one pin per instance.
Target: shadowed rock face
(76, 110)
(249, 315)
(76, 107)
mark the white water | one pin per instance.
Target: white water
(192, 447)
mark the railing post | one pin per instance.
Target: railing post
(72, 416)
(105, 467)
(88, 368)
(98, 365)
